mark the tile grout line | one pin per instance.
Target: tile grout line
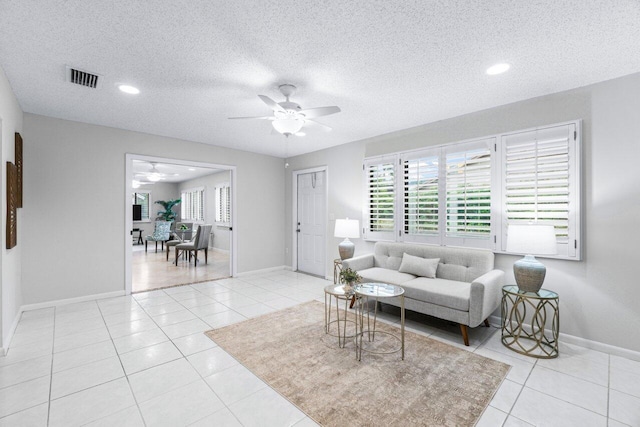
(53, 346)
(122, 365)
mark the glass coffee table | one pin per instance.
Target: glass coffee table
(376, 291)
(338, 293)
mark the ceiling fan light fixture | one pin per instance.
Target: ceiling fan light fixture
(288, 126)
(135, 184)
(154, 177)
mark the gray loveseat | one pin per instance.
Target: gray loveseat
(464, 287)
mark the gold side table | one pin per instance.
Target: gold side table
(376, 291)
(338, 292)
(524, 321)
(337, 268)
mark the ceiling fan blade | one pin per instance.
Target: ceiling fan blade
(311, 113)
(255, 117)
(271, 103)
(322, 125)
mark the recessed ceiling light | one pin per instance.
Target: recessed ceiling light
(498, 69)
(191, 169)
(129, 89)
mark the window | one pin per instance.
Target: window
(466, 194)
(192, 205)
(421, 196)
(540, 182)
(380, 186)
(142, 198)
(223, 204)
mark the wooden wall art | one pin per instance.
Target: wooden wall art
(19, 160)
(12, 216)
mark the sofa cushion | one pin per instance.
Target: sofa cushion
(463, 264)
(384, 275)
(418, 266)
(443, 292)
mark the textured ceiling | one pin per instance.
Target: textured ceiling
(389, 65)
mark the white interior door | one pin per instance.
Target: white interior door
(312, 222)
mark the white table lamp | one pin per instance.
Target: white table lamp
(531, 239)
(347, 228)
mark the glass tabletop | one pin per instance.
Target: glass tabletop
(337, 290)
(541, 294)
(379, 290)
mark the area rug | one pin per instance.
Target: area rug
(436, 385)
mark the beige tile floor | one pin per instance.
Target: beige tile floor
(142, 360)
(151, 270)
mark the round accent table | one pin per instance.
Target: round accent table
(376, 291)
(525, 316)
(337, 292)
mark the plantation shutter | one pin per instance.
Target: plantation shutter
(468, 194)
(192, 205)
(421, 203)
(379, 215)
(227, 204)
(223, 204)
(540, 182)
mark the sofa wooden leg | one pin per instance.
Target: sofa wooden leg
(465, 334)
(486, 323)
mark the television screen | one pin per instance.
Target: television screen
(137, 212)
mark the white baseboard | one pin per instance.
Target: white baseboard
(71, 300)
(262, 271)
(7, 340)
(222, 251)
(583, 342)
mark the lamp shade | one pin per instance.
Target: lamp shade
(534, 239)
(349, 228)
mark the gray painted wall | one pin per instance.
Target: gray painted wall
(67, 161)
(599, 295)
(10, 259)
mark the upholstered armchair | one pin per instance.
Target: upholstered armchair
(160, 234)
(201, 242)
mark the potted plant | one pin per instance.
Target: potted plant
(167, 214)
(349, 278)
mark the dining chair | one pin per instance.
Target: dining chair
(178, 240)
(161, 231)
(200, 242)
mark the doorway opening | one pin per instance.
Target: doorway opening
(310, 194)
(205, 195)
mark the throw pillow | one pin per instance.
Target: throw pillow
(419, 266)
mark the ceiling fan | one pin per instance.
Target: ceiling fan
(154, 175)
(288, 117)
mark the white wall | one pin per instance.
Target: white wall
(221, 235)
(66, 161)
(599, 295)
(11, 299)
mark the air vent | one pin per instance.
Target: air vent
(83, 78)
